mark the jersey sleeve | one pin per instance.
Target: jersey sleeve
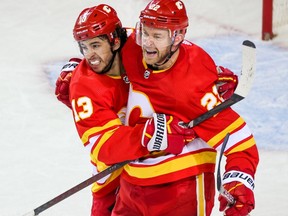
(104, 134)
(241, 150)
(97, 104)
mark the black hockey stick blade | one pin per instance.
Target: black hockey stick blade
(76, 188)
(244, 85)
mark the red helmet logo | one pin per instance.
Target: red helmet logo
(83, 18)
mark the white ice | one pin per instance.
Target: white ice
(41, 154)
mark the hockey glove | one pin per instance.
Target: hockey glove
(226, 83)
(63, 81)
(166, 133)
(240, 185)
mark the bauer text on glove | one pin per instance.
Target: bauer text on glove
(240, 185)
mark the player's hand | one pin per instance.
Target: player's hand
(242, 193)
(226, 83)
(63, 81)
(166, 133)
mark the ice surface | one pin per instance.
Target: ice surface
(41, 155)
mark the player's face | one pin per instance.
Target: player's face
(97, 52)
(156, 44)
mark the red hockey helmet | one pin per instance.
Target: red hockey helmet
(96, 21)
(165, 14)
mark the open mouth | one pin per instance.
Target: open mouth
(95, 62)
(150, 53)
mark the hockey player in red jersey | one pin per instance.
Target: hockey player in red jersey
(171, 75)
(97, 91)
(108, 138)
(98, 98)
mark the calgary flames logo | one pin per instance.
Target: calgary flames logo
(84, 17)
(155, 7)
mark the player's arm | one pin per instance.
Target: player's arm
(241, 151)
(159, 133)
(110, 142)
(238, 180)
(242, 158)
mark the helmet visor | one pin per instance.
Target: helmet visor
(97, 52)
(153, 37)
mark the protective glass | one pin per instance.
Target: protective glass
(153, 37)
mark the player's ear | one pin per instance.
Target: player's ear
(116, 44)
(178, 39)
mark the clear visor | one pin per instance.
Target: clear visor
(97, 52)
(98, 45)
(153, 37)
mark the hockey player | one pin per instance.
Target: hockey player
(89, 123)
(171, 75)
(98, 97)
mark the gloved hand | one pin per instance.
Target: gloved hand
(240, 185)
(63, 81)
(227, 82)
(166, 133)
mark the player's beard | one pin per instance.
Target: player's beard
(155, 57)
(99, 65)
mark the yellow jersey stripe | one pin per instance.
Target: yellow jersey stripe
(200, 194)
(166, 167)
(95, 152)
(216, 139)
(97, 187)
(94, 130)
(245, 145)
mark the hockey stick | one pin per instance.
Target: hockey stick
(244, 85)
(220, 188)
(76, 188)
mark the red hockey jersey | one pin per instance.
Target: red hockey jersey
(99, 105)
(185, 90)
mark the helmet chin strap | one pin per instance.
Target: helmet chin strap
(169, 55)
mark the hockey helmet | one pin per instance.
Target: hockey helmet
(165, 14)
(96, 21)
